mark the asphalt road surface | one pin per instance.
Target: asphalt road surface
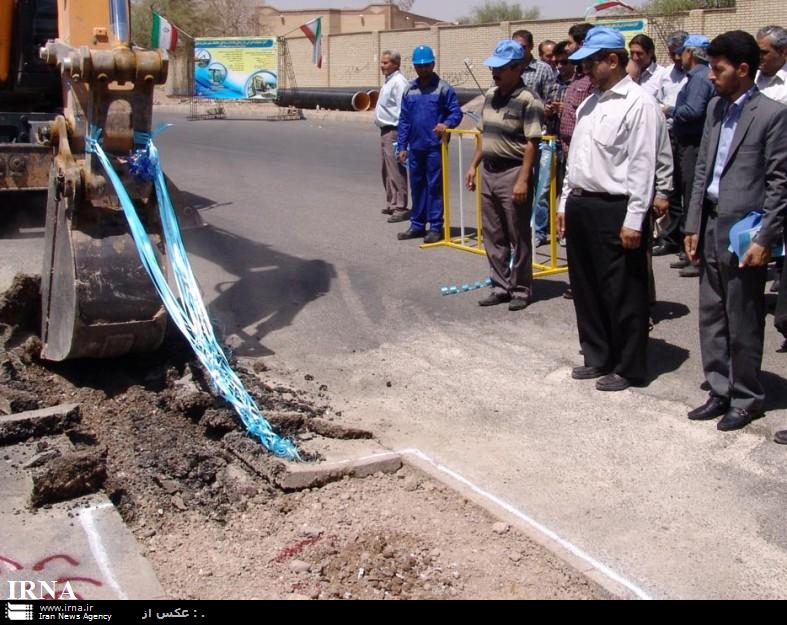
(299, 267)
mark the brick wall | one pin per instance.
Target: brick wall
(352, 60)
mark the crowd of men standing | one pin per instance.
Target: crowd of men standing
(698, 148)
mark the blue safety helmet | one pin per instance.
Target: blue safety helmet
(423, 55)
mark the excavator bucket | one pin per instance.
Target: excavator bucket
(97, 299)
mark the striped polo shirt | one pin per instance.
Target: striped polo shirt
(508, 122)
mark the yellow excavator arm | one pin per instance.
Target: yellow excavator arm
(97, 299)
(6, 28)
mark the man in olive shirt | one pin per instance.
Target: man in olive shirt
(511, 129)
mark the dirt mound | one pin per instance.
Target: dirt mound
(154, 416)
(20, 305)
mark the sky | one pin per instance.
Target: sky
(442, 9)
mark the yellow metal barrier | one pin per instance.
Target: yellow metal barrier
(475, 244)
(463, 241)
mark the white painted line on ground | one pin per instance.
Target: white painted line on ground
(532, 522)
(97, 547)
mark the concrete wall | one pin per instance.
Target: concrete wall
(352, 59)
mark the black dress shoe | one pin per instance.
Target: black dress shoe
(387, 211)
(398, 216)
(433, 236)
(690, 271)
(410, 234)
(518, 303)
(568, 293)
(494, 299)
(612, 383)
(736, 418)
(780, 437)
(714, 407)
(663, 249)
(587, 373)
(681, 262)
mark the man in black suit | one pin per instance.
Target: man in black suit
(741, 167)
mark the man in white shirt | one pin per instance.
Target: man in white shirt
(772, 76)
(651, 74)
(607, 193)
(389, 107)
(673, 80)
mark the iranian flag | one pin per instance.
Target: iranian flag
(164, 35)
(313, 32)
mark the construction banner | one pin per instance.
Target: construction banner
(628, 28)
(236, 68)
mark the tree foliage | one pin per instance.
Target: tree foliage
(500, 11)
(199, 18)
(404, 5)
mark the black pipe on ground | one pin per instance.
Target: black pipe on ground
(336, 99)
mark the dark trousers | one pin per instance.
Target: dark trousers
(732, 322)
(780, 316)
(610, 286)
(506, 228)
(426, 186)
(688, 151)
(678, 203)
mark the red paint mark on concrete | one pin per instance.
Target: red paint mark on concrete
(89, 580)
(39, 566)
(13, 563)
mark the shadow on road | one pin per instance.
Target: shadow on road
(22, 215)
(270, 290)
(668, 311)
(664, 358)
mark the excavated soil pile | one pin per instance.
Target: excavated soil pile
(154, 437)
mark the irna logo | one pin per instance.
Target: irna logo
(40, 591)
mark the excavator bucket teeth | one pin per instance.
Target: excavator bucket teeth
(97, 299)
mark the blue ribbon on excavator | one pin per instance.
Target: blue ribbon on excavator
(111, 230)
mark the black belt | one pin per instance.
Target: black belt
(388, 128)
(499, 165)
(600, 195)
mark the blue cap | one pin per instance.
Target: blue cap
(507, 50)
(694, 41)
(599, 38)
(423, 55)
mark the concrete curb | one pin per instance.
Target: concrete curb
(83, 540)
(300, 477)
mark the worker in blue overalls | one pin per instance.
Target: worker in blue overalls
(429, 108)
